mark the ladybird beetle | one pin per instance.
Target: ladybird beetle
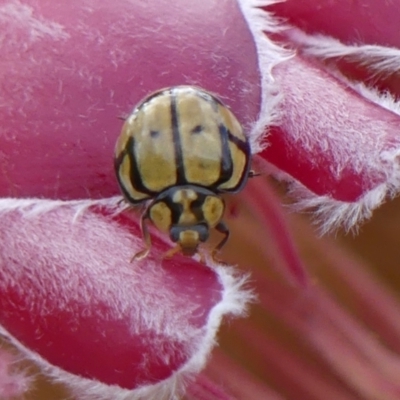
(181, 148)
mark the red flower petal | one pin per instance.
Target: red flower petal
(368, 22)
(337, 143)
(330, 138)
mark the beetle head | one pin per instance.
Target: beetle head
(189, 237)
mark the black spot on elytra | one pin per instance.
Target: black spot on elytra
(197, 129)
(154, 134)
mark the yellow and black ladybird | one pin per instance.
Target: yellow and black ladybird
(181, 147)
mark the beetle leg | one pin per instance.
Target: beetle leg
(202, 257)
(172, 251)
(123, 117)
(146, 238)
(220, 227)
(121, 201)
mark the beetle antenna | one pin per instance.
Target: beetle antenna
(253, 174)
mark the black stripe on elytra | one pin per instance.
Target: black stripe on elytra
(241, 144)
(213, 101)
(176, 136)
(117, 164)
(134, 175)
(150, 97)
(245, 148)
(226, 165)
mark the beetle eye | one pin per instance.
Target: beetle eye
(202, 230)
(174, 233)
